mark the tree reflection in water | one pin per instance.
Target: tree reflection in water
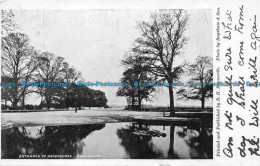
(136, 146)
(45, 140)
(190, 142)
(198, 138)
(171, 146)
(138, 141)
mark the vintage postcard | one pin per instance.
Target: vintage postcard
(130, 82)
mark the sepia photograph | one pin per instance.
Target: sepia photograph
(107, 84)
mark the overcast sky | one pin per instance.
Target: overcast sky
(95, 41)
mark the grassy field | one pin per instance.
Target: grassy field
(55, 118)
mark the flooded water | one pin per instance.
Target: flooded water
(108, 141)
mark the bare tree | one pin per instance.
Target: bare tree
(70, 75)
(201, 71)
(19, 61)
(49, 70)
(7, 22)
(162, 39)
(136, 72)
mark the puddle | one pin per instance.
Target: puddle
(108, 141)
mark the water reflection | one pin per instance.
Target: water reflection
(137, 142)
(198, 140)
(171, 147)
(112, 140)
(180, 142)
(45, 140)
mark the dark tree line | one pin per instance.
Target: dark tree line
(21, 62)
(162, 41)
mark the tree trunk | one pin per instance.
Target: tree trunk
(133, 102)
(23, 102)
(202, 102)
(48, 102)
(202, 94)
(171, 146)
(15, 94)
(139, 99)
(67, 99)
(139, 103)
(23, 96)
(15, 102)
(172, 112)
